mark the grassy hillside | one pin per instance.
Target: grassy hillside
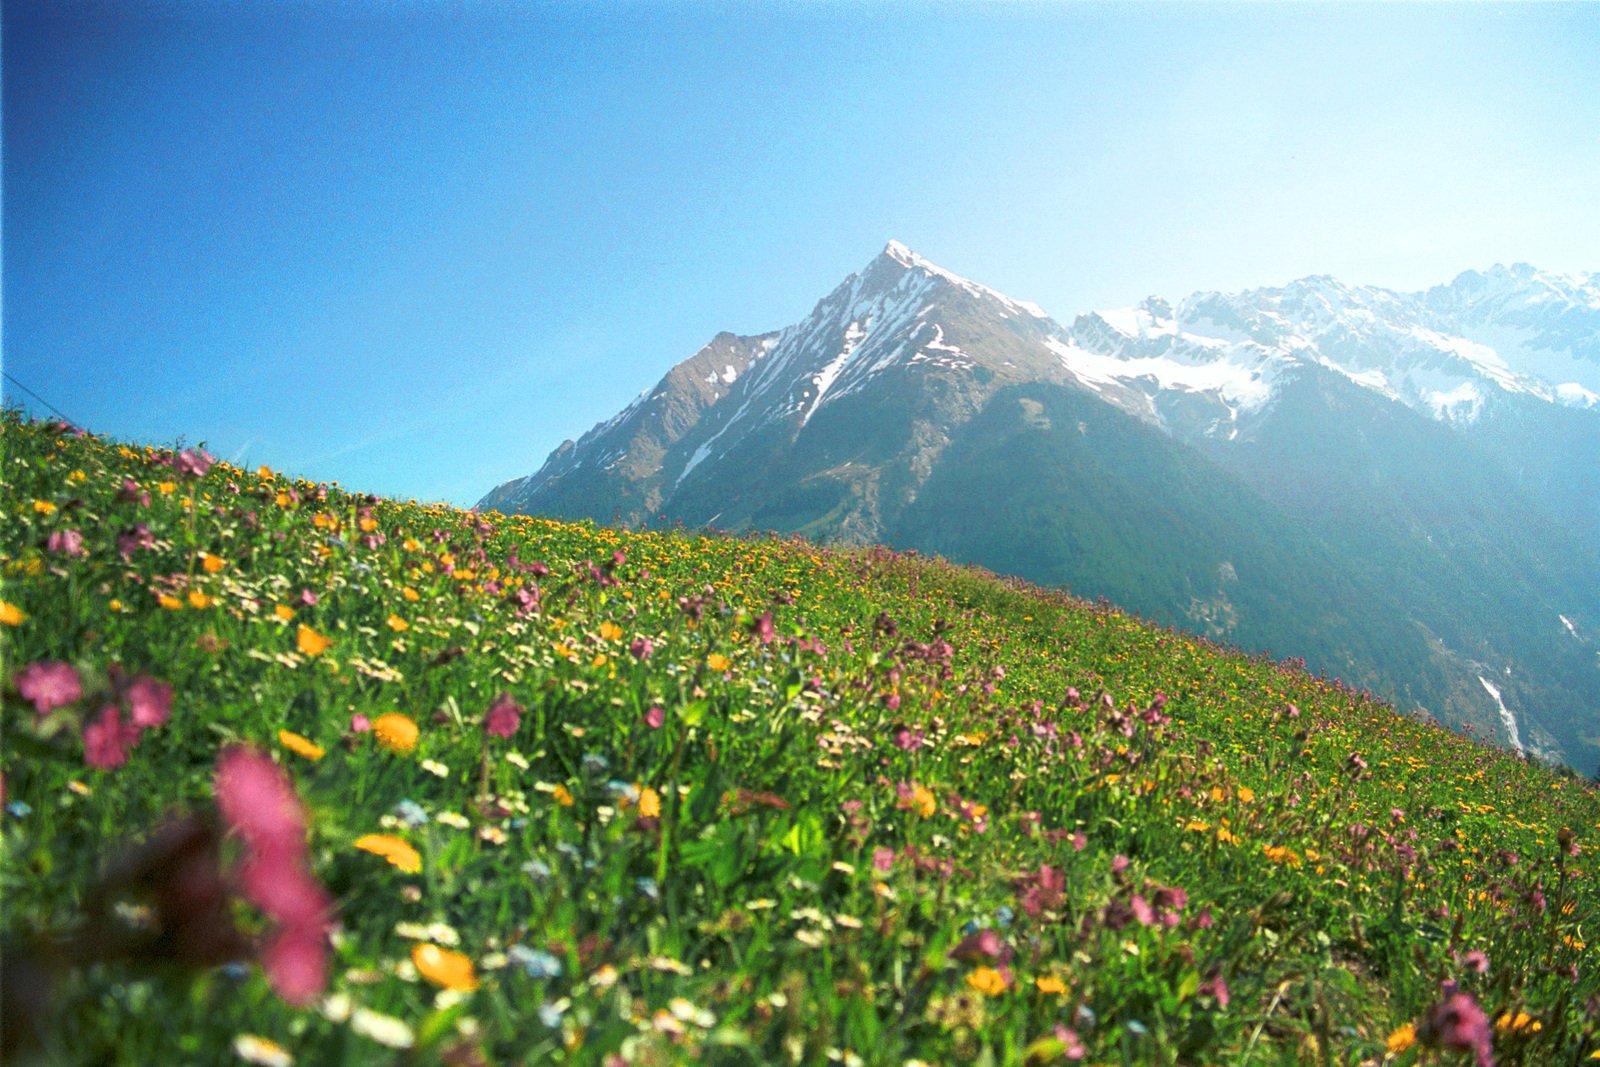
(432, 786)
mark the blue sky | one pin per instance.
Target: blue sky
(413, 246)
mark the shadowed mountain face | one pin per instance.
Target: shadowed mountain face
(1402, 489)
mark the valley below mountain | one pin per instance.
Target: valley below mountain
(1402, 489)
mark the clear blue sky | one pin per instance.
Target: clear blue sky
(413, 246)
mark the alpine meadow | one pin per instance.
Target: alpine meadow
(294, 775)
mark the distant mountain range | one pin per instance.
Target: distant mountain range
(1403, 489)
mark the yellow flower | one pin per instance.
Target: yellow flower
(1049, 983)
(395, 732)
(170, 602)
(166, 488)
(11, 615)
(563, 650)
(443, 967)
(988, 981)
(1195, 826)
(1280, 854)
(212, 564)
(1518, 1023)
(718, 662)
(1246, 794)
(264, 472)
(563, 796)
(1403, 1037)
(410, 594)
(600, 660)
(610, 631)
(284, 612)
(44, 507)
(301, 746)
(397, 624)
(397, 852)
(310, 642)
(649, 803)
(198, 599)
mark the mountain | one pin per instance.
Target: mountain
(1402, 489)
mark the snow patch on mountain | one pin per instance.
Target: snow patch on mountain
(903, 255)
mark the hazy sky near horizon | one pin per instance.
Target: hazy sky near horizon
(412, 246)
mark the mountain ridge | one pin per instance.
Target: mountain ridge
(1409, 461)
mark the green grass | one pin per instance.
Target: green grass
(810, 890)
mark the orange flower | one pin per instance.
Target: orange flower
(395, 732)
(718, 662)
(301, 746)
(988, 981)
(284, 612)
(11, 615)
(310, 642)
(610, 631)
(563, 796)
(396, 851)
(1049, 983)
(212, 564)
(397, 624)
(198, 599)
(1403, 1037)
(649, 803)
(445, 968)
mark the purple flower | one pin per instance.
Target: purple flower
(134, 538)
(130, 493)
(48, 685)
(503, 717)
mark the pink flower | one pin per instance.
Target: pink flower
(1457, 1023)
(907, 739)
(65, 543)
(503, 717)
(258, 801)
(48, 685)
(296, 963)
(763, 629)
(981, 945)
(1071, 1045)
(194, 462)
(655, 717)
(277, 883)
(149, 701)
(641, 648)
(308, 598)
(107, 740)
(882, 859)
(359, 723)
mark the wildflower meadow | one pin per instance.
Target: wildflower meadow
(297, 775)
